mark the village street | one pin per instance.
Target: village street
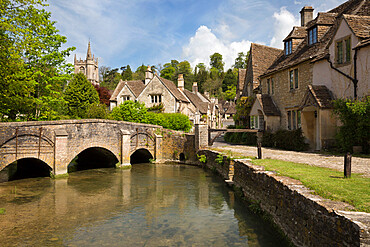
(359, 165)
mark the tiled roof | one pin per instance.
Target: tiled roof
(363, 43)
(268, 106)
(360, 25)
(318, 95)
(117, 90)
(261, 58)
(318, 50)
(135, 86)
(358, 7)
(326, 19)
(297, 33)
(241, 79)
(197, 101)
(173, 89)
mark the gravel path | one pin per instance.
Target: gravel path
(359, 165)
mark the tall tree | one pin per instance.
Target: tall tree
(126, 73)
(230, 79)
(111, 79)
(33, 69)
(79, 95)
(184, 68)
(216, 62)
(200, 75)
(241, 61)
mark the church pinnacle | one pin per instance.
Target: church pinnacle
(88, 56)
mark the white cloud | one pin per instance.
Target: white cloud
(284, 22)
(204, 43)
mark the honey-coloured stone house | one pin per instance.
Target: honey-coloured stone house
(322, 60)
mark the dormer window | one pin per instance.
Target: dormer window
(312, 36)
(288, 47)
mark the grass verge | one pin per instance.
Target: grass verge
(325, 182)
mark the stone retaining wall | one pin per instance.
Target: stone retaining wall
(307, 219)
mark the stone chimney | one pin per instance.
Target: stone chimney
(195, 87)
(306, 15)
(148, 75)
(180, 82)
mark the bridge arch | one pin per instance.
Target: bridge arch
(141, 155)
(25, 168)
(92, 158)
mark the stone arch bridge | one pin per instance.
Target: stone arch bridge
(57, 143)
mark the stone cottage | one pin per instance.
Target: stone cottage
(321, 61)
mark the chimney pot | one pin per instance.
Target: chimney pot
(195, 87)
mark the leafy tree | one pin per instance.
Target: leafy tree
(126, 73)
(230, 93)
(185, 69)
(241, 61)
(111, 79)
(168, 72)
(200, 75)
(140, 73)
(104, 94)
(216, 62)
(33, 70)
(231, 79)
(79, 95)
(243, 108)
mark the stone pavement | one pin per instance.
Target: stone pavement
(359, 165)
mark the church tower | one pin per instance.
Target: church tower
(88, 67)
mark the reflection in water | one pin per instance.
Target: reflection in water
(151, 205)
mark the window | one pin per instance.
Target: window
(288, 47)
(312, 36)
(294, 119)
(125, 98)
(343, 51)
(293, 79)
(272, 85)
(156, 98)
(254, 122)
(268, 86)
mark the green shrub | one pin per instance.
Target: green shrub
(130, 111)
(177, 121)
(285, 139)
(97, 111)
(245, 138)
(355, 117)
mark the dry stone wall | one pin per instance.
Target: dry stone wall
(307, 219)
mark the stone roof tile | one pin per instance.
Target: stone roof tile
(360, 25)
(268, 106)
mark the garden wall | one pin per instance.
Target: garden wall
(307, 219)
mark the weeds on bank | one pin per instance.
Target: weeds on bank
(2, 211)
(325, 182)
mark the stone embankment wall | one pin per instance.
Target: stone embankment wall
(307, 219)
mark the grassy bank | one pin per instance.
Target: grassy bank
(325, 182)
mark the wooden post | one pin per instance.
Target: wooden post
(259, 150)
(347, 165)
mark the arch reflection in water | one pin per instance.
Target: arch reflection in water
(25, 168)
(93, 158)
(141, 156)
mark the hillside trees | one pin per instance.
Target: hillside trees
(33, 70)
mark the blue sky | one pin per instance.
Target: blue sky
(153, 32)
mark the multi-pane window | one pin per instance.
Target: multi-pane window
(293, 79)
(288, 47)
(343, 51)
(268, 86)
(125, 97)
(312, 36)
(294, 119)
(156, 98)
